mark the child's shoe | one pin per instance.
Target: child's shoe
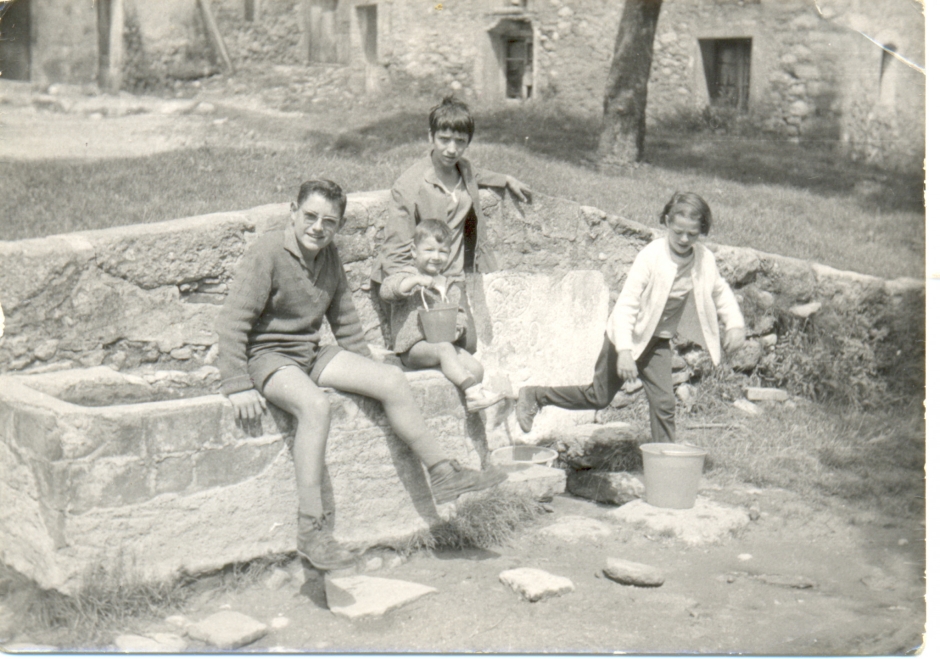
(526, 408)
(479, 398)
(315, 542)
(449, 480)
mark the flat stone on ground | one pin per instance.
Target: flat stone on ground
(573, 528)
(748, 407)
(633, 574)
(534, 584)
(361, 596)
(706, 522)
(227, 630)
(157, 643)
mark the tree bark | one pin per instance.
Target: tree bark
(624, 124)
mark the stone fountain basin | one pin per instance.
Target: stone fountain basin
(152, 469)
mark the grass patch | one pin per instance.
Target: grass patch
(113, 600)
(872, 459)
(800, 200)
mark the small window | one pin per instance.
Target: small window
(727, 64)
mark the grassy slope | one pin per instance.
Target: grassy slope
(797, 200)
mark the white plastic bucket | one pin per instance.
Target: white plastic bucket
(671, 473)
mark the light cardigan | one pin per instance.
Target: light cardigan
(633, 321)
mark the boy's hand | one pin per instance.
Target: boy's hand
(626, 367)
(248, 404)
(519, 189)
(734, 340)
(411, 284)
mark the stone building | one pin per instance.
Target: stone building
(842, 69)
(850, 70)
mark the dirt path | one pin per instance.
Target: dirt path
(796, 581)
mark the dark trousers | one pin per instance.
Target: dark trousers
(655, 371)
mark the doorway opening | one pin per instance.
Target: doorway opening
(512, 41)
(14, 40)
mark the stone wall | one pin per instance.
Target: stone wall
(64, 45)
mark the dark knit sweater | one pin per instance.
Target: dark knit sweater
(277, 297)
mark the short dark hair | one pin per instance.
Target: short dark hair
(432, 229)
(326, 189)
(690, 205)
(451, 114)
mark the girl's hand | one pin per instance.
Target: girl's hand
(734, 340)
(519, 189)
(248, 404)
(626, 367)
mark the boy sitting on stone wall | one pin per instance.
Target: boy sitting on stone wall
(270, 351)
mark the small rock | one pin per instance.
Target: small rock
(535, 584)
(902, 542)
(744, 557)
(212, 354)
(768, 340)
(766, 393)
(118, 359)
(227, 630)
(373, 564)
(93, 358)
(765, 299)
(277, 579)
(633, 574)
(805, 310)
(748, 407)
(46, 350)
(279, 622)
(747, 357)
(182, 354)
(678, 363)
(180, 622)
(685, 393)
(680, 377)
(204, 108)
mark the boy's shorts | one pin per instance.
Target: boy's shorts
(311, 359)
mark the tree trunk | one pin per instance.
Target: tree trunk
(624, 125)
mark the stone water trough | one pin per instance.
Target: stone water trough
(116, 447)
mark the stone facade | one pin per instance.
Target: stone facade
(803, 69)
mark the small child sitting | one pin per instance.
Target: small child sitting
(407, 291)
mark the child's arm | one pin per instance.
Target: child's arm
(343, 316)
(243, 306)
(730, 314)
(399, 231)
(623, 317)
(403, 284)
(489, 179)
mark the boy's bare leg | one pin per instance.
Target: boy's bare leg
(445, 355)
(294, 392)
(471, 364)
(356, 374)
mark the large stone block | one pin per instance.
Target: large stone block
(540, 329)
(198, 490)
